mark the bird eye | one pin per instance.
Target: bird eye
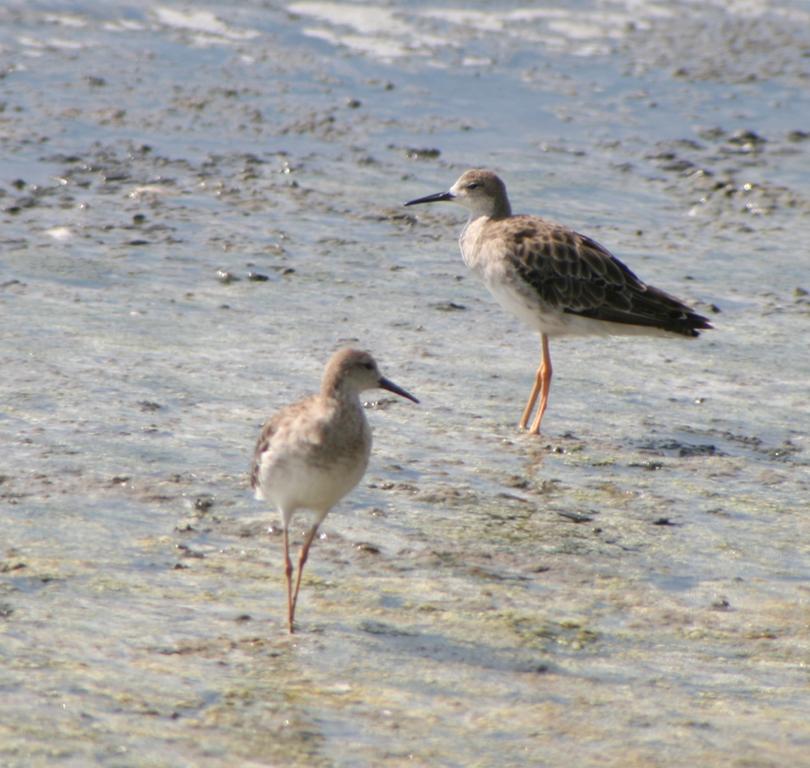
(368, 366)
(473, 185)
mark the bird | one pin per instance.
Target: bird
(311, 453)
(557, 281)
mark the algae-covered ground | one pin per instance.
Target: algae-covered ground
(199, 202)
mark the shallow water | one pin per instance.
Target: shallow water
(629, 589)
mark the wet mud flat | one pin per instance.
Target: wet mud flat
(198, 205)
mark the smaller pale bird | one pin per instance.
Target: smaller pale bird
(555, 280)
(311, 453)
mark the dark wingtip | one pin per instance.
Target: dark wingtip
(698, 323)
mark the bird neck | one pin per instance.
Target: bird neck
(498, 208)
(501, 208)
(337, 388)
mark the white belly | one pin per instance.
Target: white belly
(292, 485)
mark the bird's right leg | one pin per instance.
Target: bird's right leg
(545, 386)
(288, 569)
(302, 559)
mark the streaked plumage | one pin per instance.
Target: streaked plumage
(556, 280)
(310, 454)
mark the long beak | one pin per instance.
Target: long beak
(391, 387)
(437, 198)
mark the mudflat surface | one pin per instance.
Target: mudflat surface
(199, 204)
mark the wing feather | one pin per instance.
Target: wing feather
(575, 274)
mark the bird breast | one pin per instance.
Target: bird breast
(312, 463)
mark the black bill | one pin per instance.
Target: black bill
(437, 198)
(391, 387)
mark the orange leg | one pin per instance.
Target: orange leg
(544, 373)
(302, 559)
(288, 569)
(542, 384)
(527, 411)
